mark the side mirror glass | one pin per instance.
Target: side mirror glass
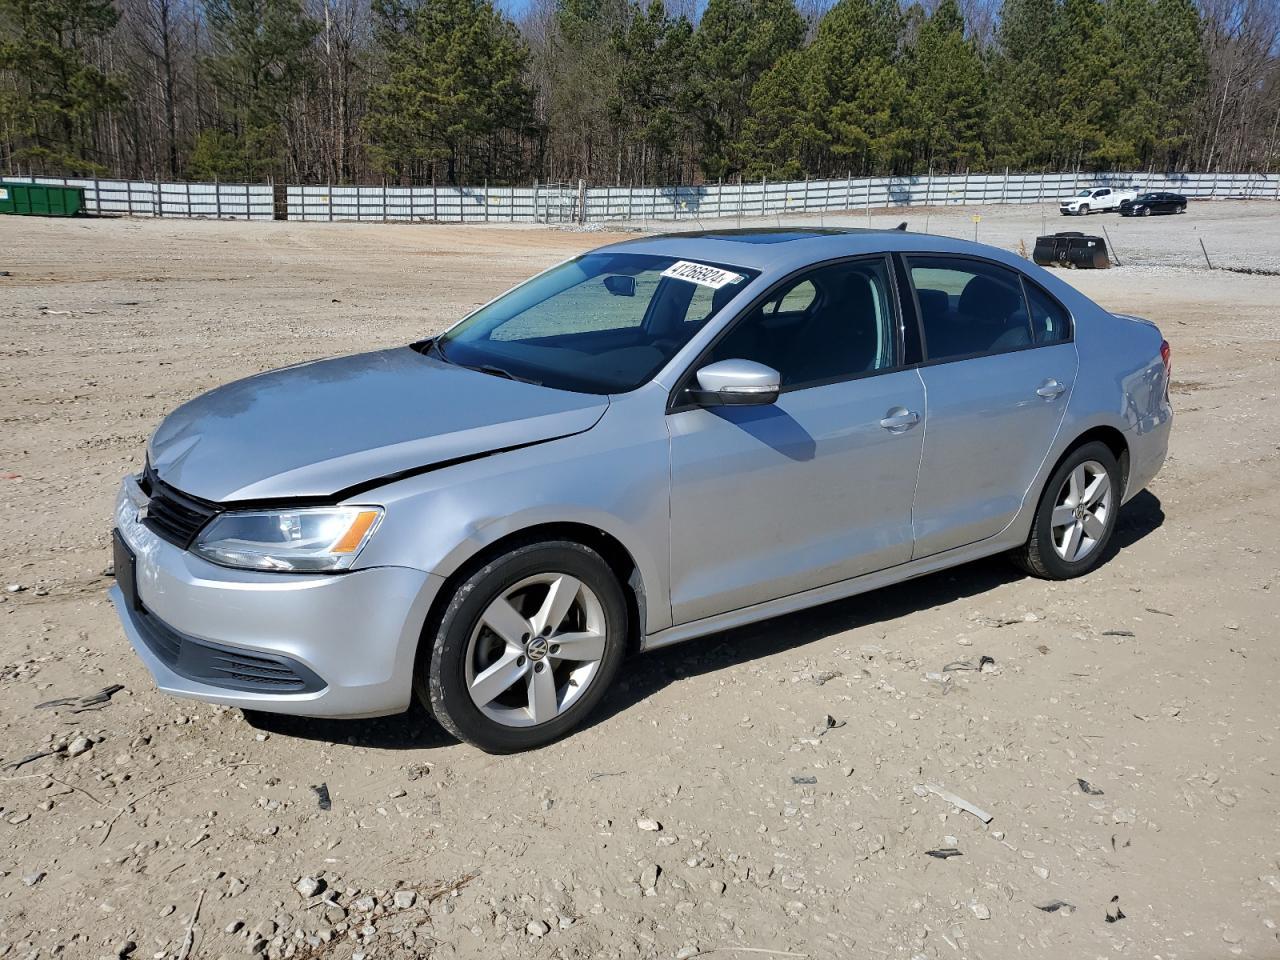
(736, 382)
(620, 286)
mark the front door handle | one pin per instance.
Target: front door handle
(900, 419)
(1051, 389)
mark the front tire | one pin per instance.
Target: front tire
(1083, 211)
(1076, 516)
(526, 648)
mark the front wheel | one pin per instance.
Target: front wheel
(1076, 516)
(1083, 211)
(526, 648)
(1146, 211)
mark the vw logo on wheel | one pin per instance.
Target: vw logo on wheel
(537, 648)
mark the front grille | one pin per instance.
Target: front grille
(173, 515)
(222, 666)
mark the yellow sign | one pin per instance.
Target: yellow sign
(977, 218)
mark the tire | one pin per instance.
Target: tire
(514, 590)
(1083, 211)
(1182, 208)
(1146, 211)
(1048, 551)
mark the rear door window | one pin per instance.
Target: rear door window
(968, 307)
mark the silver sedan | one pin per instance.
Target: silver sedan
(652, 442)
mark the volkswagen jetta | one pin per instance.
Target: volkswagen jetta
(654, 441)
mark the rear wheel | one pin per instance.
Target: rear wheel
(1182, 208)
(527, 646)
(1076, 516)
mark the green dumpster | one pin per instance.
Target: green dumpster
(40, 200)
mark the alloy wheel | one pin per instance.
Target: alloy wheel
(1081, 511)
(535, 650)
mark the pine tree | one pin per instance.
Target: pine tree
(841, 103)
(1025, 84)
(454, 84)
(1089, 94)
(1162, 77)
(653, 52)
(260, 62)
(51, 92)
(778, 139)
(582, 67)
(949, 87)
(737, 42)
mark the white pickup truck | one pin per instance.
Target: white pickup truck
(1096, 199)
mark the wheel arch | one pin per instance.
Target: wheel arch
(609, 547)
(1111, 437)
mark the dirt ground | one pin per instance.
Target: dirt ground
(183, 830)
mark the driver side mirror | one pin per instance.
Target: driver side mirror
(620, 286)
(736, 383)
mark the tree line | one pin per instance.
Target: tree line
(632, 91)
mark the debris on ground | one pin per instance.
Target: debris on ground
(322, 796)
(819, 677)
(91, 701)
(828, 723)
(1089, 788)
(944, 853)
(960, 802)
(984, 664)
(1057, 906)
(1114, 912)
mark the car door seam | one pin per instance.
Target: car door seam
(1053, 441)
(924, 439)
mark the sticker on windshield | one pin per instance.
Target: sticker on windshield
(701, 274)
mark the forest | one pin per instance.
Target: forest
(620, 92)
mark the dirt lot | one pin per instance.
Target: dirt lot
(1154, 680)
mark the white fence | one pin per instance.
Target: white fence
(140, 198)
(561, 202)
(763, 198)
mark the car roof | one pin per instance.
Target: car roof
(777, 250)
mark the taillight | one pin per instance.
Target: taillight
(1166, 355)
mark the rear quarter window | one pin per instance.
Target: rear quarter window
(1050, 321)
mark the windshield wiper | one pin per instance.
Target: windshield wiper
(433, 346)
(499, 372)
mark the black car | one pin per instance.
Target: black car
(1146, 204)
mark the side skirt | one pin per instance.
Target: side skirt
(835, 591)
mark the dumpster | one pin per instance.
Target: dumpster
(1071, 249)
(41, 200)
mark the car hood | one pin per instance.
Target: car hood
(320, 428)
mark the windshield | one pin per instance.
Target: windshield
(1085, 193)
(601, 323)
(1149, 196)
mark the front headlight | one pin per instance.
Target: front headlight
(305, 540)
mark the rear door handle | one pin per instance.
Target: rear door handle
(900, 419)
(1051, 389)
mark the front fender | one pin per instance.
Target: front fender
(613, 478)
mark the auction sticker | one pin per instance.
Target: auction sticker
(701, 274)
